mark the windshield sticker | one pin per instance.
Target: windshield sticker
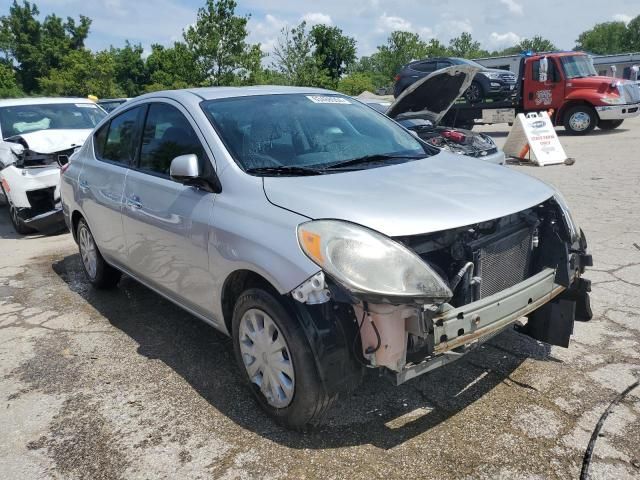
(85, 105)
(328, 99)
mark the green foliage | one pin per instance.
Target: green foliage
(535, 44)
(130, 69)
(466, 47)
(632, 37)
(355, 83)
(603, 38)
(8, 81)
(38, 47)
(171, 68)
(295, 59)
(83, 73)
(334, 51)
(400, 49)
(217, 41)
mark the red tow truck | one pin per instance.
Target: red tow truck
(565, 83)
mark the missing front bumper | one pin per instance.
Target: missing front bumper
(48, 222)
(459, 330)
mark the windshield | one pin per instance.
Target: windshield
(308, 131)
(578, 66)
(19, 119)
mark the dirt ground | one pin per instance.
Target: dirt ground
(123, 384)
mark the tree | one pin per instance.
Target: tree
(535, 44)
(172, 67)
(130, 68)
(217, 41)
(334, 51)
(83, 73)
(355, 83)
(401, 48)
(603, 38)
(37, 47)
(465, 46)
(8, 81)
(295, 59)
(632, 38)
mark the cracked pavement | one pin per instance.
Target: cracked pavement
(123, 384)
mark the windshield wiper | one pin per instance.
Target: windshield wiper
(284, 170)
(372, 158)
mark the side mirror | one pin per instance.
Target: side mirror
(634, 73)
(184, 168)
(613, 69)
(544, 69)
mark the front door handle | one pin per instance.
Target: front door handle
(133, 202)
(83, 184)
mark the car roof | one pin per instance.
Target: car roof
(13, 102)
(212, 93)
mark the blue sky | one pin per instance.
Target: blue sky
(495, 23)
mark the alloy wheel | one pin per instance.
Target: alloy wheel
(580, 121)
(88, 251)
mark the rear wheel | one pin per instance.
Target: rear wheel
(276, 360)
(580, 119)
(98, 272)
(609, 124)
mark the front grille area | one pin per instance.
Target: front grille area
(504, 262)
(508, 77)
(631, 92)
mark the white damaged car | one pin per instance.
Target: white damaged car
(38, 135)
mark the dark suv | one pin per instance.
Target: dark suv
(488, 83)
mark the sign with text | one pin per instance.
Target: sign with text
(534, 138)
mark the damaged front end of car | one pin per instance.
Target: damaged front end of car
(31, 185)
(414, 303)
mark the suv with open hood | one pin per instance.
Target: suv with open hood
(320, 235)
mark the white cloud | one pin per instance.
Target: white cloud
(266, 31)
(503, 40)
(389, 23)
(514, 7)
(317, 18)
(622, 17)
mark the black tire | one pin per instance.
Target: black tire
(310, 400)
(105, 276)
(580, 119)
(18, 224)
(609, 124)
(475, 93)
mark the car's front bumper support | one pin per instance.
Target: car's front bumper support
(48, 222)
(458, 330)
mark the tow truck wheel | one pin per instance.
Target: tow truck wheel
(609, 124)
(580, 120)
(100, 273)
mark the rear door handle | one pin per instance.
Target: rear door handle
(134, 202)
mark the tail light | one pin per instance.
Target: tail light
(396, 78)
(64, 167)
(454, 136)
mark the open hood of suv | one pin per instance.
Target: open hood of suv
(436, 193)
(434, 94)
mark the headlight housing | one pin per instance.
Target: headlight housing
(572, 226)
(369, 263)
(613, 100)
(492, 75)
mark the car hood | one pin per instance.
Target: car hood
(437, 193)
(52, 140)
(434, 94)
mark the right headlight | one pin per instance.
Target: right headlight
(367, 262)
(572, 226)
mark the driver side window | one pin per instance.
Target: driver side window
(166, 135)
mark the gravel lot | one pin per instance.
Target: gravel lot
(122, 384)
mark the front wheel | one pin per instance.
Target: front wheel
(580, 119)
(276, 360)
(18, 224)
(475, 93)
(98, 272)
(609, 124)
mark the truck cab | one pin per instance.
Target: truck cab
(568, 84)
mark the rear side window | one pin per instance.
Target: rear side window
(118, 140)
(167, 134)
(425, 67)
